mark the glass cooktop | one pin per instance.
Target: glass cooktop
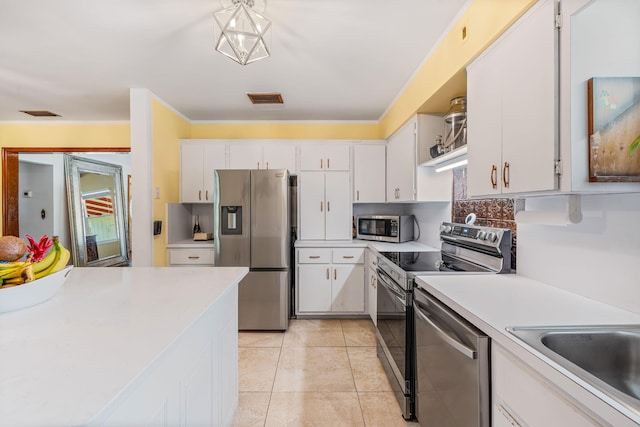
(430, 261)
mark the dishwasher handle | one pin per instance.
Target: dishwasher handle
(453, 342)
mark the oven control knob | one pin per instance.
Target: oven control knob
(491, 236)
(482, 235)
(445, 228)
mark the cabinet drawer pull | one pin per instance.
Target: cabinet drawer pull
(314, 256)
(347, 256)
(194, 257)
(505, 174)
(320, 206)
(335, 274)
(328, 206)
(327, 274)
(320, 163)
(328, 167)
(199, 194)
(494, 177)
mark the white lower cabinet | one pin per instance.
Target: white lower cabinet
(190, 257)
(330, 280)
(371, 283)
(193, 383)
(522, 398)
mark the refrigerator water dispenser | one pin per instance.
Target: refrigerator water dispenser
(231, 217)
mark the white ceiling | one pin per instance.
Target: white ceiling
(331, 59)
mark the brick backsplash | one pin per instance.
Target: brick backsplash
(489, 212)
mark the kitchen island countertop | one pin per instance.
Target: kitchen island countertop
(65, 360)
(494, 302)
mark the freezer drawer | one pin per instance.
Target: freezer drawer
(263, 301)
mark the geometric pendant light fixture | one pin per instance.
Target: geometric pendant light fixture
(242, 33)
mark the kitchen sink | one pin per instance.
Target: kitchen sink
(606, 357)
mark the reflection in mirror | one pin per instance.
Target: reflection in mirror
(96, 212)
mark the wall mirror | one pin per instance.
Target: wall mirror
(97, 212)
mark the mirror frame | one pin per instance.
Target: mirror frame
(73, 166)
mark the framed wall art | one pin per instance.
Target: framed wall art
(614, 129)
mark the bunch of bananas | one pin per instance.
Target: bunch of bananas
(19, 272)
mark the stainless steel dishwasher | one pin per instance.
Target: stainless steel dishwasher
(452, 366)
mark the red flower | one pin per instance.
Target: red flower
(39, 249)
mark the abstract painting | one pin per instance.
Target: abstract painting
(614, 129)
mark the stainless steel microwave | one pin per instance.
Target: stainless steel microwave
(385, 228)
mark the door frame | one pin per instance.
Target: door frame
(10, 166)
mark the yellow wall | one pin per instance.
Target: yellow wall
(485, 20)
(62, 135)
(353, 131)
(168, 128)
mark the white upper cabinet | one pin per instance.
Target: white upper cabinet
(406, 181)
(369, 173)
(599, 38)
(527, 97)
(325, 206)
(401, 164)
(197, 162)
(513, 107)
(324, 157)
(243, 155)
(280, 156)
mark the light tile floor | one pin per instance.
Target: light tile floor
(318, 373)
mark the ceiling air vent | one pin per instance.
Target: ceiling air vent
(265, 98)
(37, 113)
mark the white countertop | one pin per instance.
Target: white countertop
(64, 360)
(190, 244)
(494, 302)
(356, 243)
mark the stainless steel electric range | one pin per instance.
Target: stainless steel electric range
(465, 249)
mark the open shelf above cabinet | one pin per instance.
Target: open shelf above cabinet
(450, 156)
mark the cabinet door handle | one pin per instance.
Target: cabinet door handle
(267, 165)
(327, 274)
(335, 274)
(314, 256)
(357, 194)
(328, 167)
(494, 177)
(320, 163)
(320, 206)
(194, 257)
(347, 256)
(206, 195)
(505, 174)
(199, 194)
(258, 165)
(328, 206)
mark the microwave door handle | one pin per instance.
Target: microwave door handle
(471, 354)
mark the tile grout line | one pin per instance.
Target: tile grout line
(355, 386)
(275, 374)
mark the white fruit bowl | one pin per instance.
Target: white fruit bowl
(32, 293)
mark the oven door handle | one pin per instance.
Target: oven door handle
(468, 352)
(385, 281)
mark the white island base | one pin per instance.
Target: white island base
(124, 347)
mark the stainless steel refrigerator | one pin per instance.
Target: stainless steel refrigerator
(252, 228)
